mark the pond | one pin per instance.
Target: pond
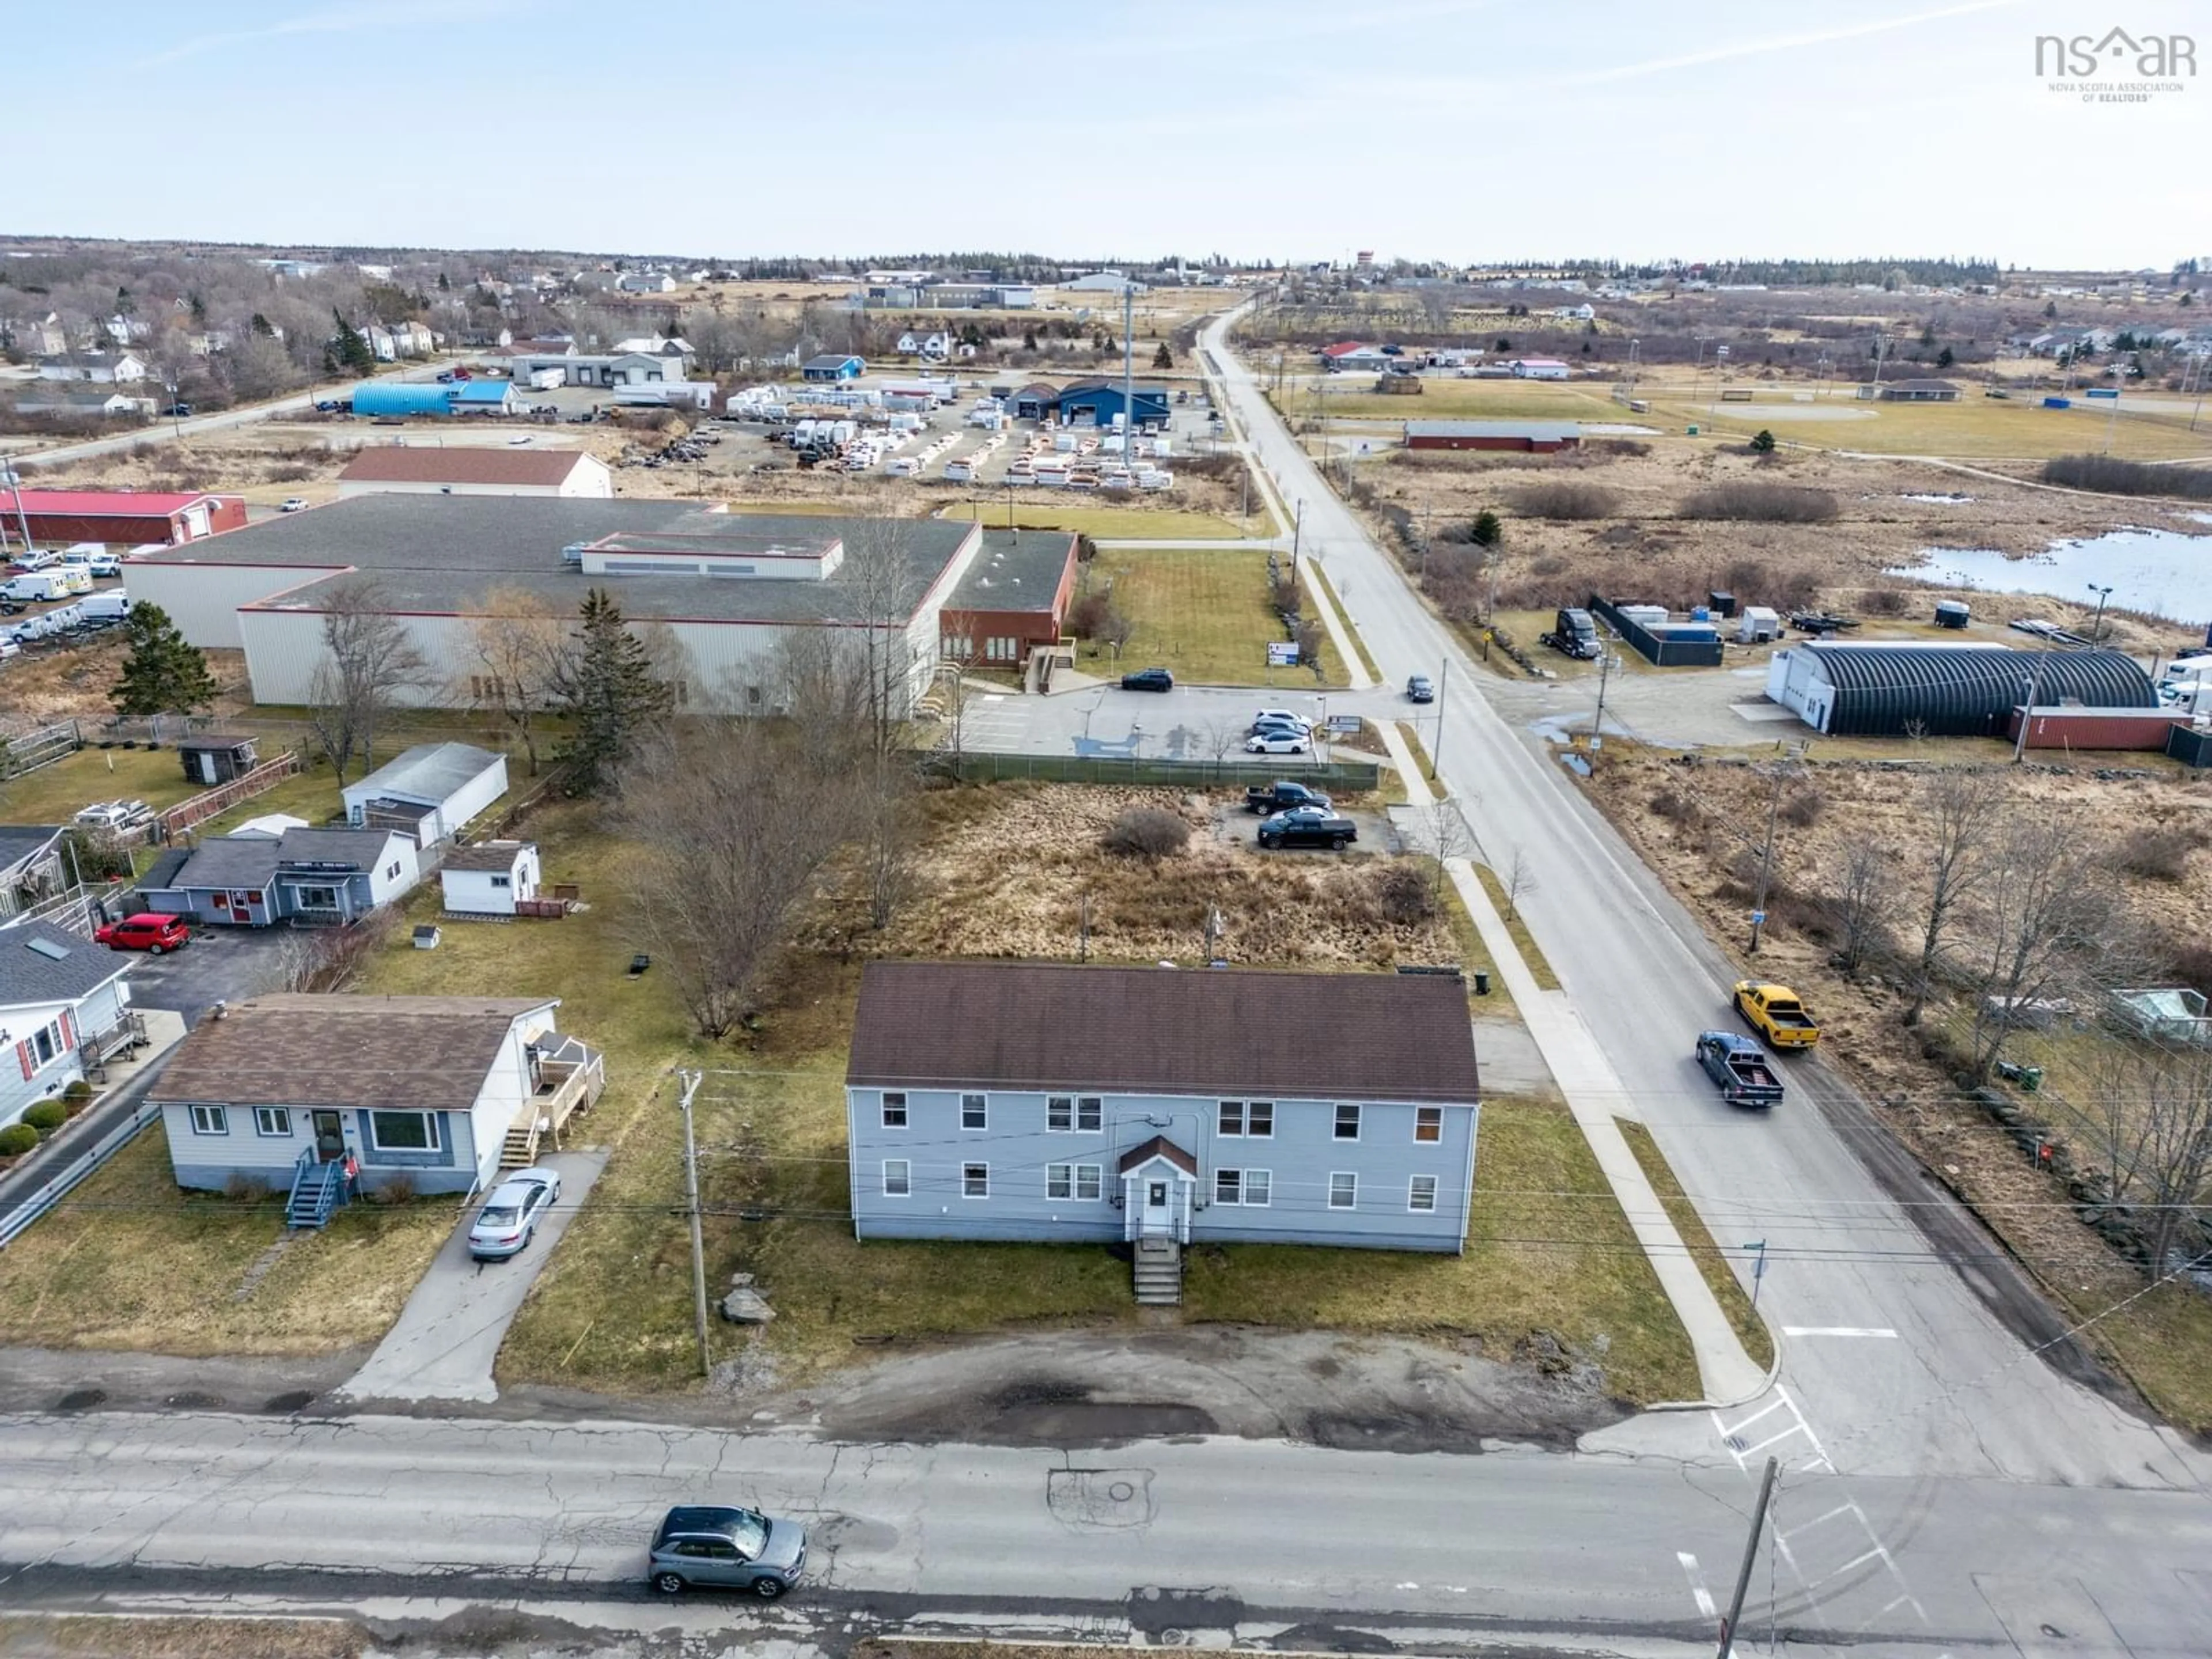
(2161, 572)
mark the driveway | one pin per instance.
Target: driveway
(444, 1342)
(221, 964)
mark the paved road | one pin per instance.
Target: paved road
(165, 431)
(1911, 1372)
(1288, 1544)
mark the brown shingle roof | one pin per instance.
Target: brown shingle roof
(394, 464)
(1049, 1026)
(422, 1053)
(485, 855)
(1157, 1146)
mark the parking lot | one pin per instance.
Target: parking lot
(1190, 723)
(221, 964)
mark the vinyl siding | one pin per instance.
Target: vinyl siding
(47, 1079)
(202, 599)
(1300, 1156)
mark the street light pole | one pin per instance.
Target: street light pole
(2026, 714)
(2097, 628)
(692, 1081)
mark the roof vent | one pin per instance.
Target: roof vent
(47, 947)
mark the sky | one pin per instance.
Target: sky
(1449, 130)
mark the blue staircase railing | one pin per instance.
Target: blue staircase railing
(317, 1190)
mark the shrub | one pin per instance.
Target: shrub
(1801, 809)
(1146, 832)
(1486, 530)
(1760, 504)
(2117, 477)
(1762, 443)
(398, 1189)
(2158, 854)
(47, 1116)
(1563, 498)
(1883, 601)
(1676, 807)
(1404, 895)
(16, 1139)
(78, 1093)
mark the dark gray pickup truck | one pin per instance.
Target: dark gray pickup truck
(1741, 1068)
(1281, 796)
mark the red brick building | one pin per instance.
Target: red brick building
(122, 517)
(1014, 598)
(1529, 437)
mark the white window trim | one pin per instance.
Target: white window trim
(1236, 1176)
(1221, 1119)
(264, 1114)
(1267, 1197)
(1097, 1105)
(884, 1109)
(1437, 1138)
(1097, 1172)
(1251, 1133)
(906, 1174)
(209, 1120)
(436, 1119)
(978, 1197)
(1067, 1175)
(1436, 1193)
(967, 1127)
(1336, 1121)
(1052, 1128)
(1351, 1175)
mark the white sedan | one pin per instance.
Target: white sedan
(1276, 743)
(510, 1216)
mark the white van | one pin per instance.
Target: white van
(35, 588)
(112, 605)
(77, 578)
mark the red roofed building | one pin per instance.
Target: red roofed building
(125, 517)
(1352, 354)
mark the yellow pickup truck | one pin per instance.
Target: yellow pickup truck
(1775, 1012)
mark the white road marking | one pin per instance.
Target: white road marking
(1707, 1608)
(1838, 1330)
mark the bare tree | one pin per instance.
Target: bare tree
(1520, 880)
(1864, 901)
(2047, 898)
(877, 574)
(728, 827)
(887, 814)
(369, 661)
(1220, 736)
(522, 652)
(2152, 1118)
(1959, 811)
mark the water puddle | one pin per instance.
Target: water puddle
(2161, 572)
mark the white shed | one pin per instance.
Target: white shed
(430, 791)
(489, 877)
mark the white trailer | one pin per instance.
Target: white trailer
(544, 380)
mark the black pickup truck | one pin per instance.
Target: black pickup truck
(1281, 796)
(1739, 1066)
(1307, 826)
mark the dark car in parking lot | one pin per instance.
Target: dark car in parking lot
(711, 1546)
(1148, 679)
(1308, 826)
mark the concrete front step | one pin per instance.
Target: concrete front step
(1157, 1273)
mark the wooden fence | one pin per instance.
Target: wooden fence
(200, 808)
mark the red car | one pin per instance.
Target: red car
(145, 932)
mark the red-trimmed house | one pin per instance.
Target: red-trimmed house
(63, 1001)
(1014, 598)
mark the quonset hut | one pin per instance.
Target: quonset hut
(1878, 689)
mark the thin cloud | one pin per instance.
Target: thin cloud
(337, 20)
(1739, 49)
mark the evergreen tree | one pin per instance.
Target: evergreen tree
(163, 674)
(350, 348)
(1945, 358)
(611, 696)
(1164, 358)
(1030, 343)
(1763, 443)
(1486, 531)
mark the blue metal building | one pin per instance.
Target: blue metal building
(834, 367)
(402, 398)
(485, 398)
(1096, 403)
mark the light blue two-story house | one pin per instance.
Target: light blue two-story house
(1161, 1107)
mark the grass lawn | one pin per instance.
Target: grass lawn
(1548, 1249)
(1492, 884)
(127, 1261)
(1366, 659)
(1758, 1342)
(1203, 612)
(55, 794)
(1117, 523)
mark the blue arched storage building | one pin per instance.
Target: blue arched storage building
(402, 398)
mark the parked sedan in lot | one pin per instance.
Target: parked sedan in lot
(1281, 717)
(1148, 679)
(293, 504)
(146, 931)
(509, 1219)
(1308, 826)
(713, 1548)
(1277, 740)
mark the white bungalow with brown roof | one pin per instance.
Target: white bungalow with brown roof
(289, 1088)
(1162, 1107)
(439, 471)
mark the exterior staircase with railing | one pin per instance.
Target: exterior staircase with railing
(1158, 1273)
(317, 1190)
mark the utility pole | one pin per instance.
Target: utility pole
(1605, 663)
(692, 1081)
(1765, 864)
(1298, 529)
(1128, 371)
(1750, 1560)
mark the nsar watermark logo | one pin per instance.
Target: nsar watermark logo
(2118, 68)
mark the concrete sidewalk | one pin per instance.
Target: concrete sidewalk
(1598, 1100)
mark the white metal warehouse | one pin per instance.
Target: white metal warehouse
(726, 589)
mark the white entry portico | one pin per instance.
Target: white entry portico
(1157, 1181)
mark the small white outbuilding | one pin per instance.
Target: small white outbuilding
(489, 877)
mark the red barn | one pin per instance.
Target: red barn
(123, 517)
(1014, 598)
